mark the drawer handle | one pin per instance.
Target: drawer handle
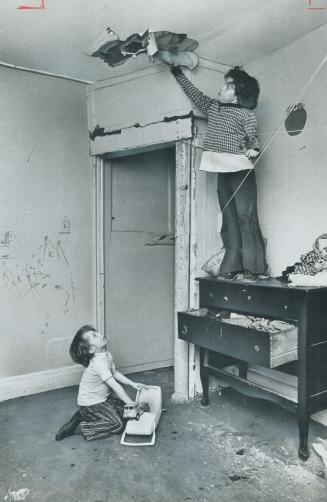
(221, 332)
(211, 295)
(257, 348)
(184, 330)
(249, 297)
(226, 298)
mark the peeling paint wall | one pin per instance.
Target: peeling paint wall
(292, 177)
(46, 221)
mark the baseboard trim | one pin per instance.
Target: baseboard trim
(41, 381)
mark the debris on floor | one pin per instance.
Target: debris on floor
(169, 47)
(21, 494)
(247, 458)
(227, 451)
(321, 449)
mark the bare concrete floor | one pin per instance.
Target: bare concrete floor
(236, 449)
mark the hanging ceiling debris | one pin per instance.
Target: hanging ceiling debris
(172, 48)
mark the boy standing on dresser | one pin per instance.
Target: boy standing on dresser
(230, 144)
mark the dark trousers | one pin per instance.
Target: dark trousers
(240, 232)
(100, 421)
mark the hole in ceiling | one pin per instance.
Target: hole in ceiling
(296, 120)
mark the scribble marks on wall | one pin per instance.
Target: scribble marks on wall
(46, 267)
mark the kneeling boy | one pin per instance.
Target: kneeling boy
(101, 398)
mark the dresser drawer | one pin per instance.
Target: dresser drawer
(246, 344)
(280, 303)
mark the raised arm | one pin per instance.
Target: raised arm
(202, 101)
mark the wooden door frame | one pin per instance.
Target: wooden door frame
(99, 243)
(185, 365)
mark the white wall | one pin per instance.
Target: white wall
(46, 277)
(292, 177)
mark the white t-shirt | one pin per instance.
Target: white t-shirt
(92, 387)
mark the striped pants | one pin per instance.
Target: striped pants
(100, 421)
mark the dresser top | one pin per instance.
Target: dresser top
(271, 282)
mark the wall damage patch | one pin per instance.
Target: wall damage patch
(102, 131)
(296, 119)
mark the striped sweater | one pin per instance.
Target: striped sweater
(231, 128)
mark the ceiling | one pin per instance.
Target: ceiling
(229, 31)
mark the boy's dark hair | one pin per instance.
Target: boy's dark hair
(246, 87)
(79, 348)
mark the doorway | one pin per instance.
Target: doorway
(139, 215)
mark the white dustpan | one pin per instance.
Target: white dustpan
(147, 423)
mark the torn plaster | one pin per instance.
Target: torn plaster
(102, 131)
(295, 121)
(166, 46)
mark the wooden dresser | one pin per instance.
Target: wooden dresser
(223, 345)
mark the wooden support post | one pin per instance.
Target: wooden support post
(194, 354)
(182, 264)
(99, 240)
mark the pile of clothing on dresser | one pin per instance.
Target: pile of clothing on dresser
(312, 268)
